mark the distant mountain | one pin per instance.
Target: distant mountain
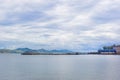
(41, 50)
(9, 51)
(64, 50)
(22, 50)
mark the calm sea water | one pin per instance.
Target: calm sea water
(59, 67)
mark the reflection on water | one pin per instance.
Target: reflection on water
(59, 67)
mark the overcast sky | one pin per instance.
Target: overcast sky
(79, 25)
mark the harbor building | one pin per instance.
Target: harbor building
(114, 49)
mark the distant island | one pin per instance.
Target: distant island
(28, 50)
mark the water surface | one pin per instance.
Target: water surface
(59, 67)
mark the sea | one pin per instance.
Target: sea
(59, 67)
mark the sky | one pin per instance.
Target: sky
(78, 25)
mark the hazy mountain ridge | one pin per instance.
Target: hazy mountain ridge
(41, 50)
(9, 51)
(21, 50)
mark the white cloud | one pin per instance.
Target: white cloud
(76, 24)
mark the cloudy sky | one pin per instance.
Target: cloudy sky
(78, 25)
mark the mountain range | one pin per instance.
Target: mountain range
(21, 50)
(41, 50)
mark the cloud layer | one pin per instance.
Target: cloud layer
(59, 24)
